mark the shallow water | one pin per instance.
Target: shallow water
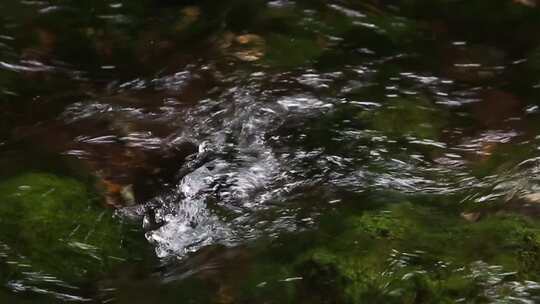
(273, 151)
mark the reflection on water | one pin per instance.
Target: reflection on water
(234, 133)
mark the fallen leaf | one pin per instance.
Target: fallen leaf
(529, 3)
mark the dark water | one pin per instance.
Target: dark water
(241, 151)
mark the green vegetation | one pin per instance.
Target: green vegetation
(54, 224)
(403, 253)
(404, 86)
(399, 117)
(287, 51)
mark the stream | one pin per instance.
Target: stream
(253, 151)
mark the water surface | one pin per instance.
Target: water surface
(270, 151)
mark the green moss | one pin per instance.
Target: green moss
(53, 224)
(413, 254)
(380, 225)
(289, 51)
(415, 117)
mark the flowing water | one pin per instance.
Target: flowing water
(241, 151)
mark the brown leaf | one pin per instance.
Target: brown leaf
(529, 3)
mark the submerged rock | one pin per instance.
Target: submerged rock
(415, 117)
(286, 51)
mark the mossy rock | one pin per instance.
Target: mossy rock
(288, 51)
(415, 254)
(403, 117)
(53, 225)
(403, 253)
(297, 43)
